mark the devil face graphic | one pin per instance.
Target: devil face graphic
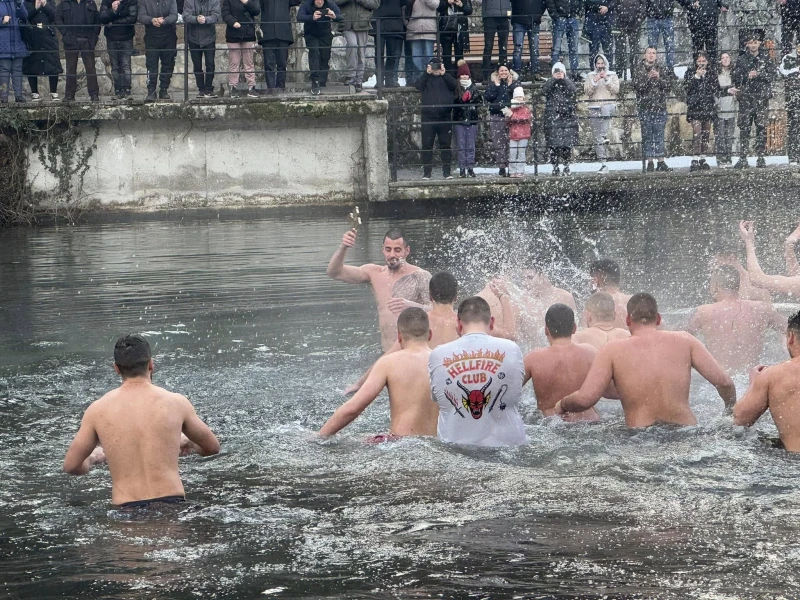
(476, 400)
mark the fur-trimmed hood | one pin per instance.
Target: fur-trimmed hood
(496, 77)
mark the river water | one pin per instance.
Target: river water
(244, 322)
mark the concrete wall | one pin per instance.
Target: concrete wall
(230, 153)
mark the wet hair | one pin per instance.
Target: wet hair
(443, 288)
(642, 308)
(560, 320)
(395, 233)
(132, 355)
(607, 270)
(794, 323)
(413, 323)
(474, 310)
(602, 306)
(727, 278)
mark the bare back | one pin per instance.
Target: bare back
(558, 371)
(620, 307)
(598, 336)
(413, 411)
(443, 324)
(784, 402)
(532, 309)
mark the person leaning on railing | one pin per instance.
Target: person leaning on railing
(119, 18)
(12, 49)
(452, 24)
(389, 44)
(602, 88)
(160, 44)
(498, 94)
(44, 59)
(790, 69)
(276, 29)
(201, 18)
(354, 26)
(240, 35)
(316, 17)
(79, 23)
(466, 117)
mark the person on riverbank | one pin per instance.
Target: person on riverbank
(79, 24)
(519, 132)
(790, 70)
(600, 314)
(354, 27)
(405, 375)
(606, 276)
(44, 59)
(12, 49)
(201, 18)
(421, 35)
(560, 117)
(160, 44)
(652, 84)
(389, 18)
(560, 369)
(565, 15)
(629, 15)
(466, 116)
(276, 38)
(453, 31)
(526, 20)
(438, 90)
(119, 19)
(498, 95)
(776, 389)
(753, 77)
(140, 429)
(477, 382)
(396, 286)
(661, 23)
(316, 17)
(702, 16)
(651, 371)
(598, 28)
(602, 89)
(495, 17)
(725, 122)
(734, 329)
(776, 284)
(701, 100)
(240, 35)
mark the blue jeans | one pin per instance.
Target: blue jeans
(665, 28)
(422, 53)
(653, 124)
(571, 27)
(598, 30)
(10, 76)
(520, 29)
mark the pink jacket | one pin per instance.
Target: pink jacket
(519, 123)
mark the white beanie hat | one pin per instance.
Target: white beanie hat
(518, 92)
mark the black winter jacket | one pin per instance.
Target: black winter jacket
(234, 11)
(151, 9)
(706, 15)
(527, 12)
(629, 14)
(321, 28)
(651, 92)
(660, 9)
(701, 95)
(437, 96)
(449, 23)
(276, 21)
(562, 9)
(390, 14)
(499, 93)
(466, 111)
(758, 89)
(121, 25)
(70, 11)
(44, 57)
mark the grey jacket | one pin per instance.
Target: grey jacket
(205, 34)
(150, 9)
(424, 20)
(357, 14)
(496, 8)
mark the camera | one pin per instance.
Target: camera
(435, 64)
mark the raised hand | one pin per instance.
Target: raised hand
(747, 231)
(349, 238)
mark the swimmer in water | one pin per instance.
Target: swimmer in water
(141, 430)
(559, 370)
(776, 389)
(396, 286)
(605, 274)
(733, 329)
(651, 371)
(747, 291)
(600, 311)
(405, 374)
(498, 295)
(777, 284)
(536, 294)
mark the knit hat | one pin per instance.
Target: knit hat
(518, 93)
(463, 68)
(559, 66)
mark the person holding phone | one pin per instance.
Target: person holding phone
(701, 96)
(602, 89)
(438, 92)
(316, 17)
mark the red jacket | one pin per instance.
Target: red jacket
(519, 123)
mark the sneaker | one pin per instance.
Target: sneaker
(20, 99)
(252, 93)
(35, 97)
(448, 176)
(695, 166)
(151, 96)
(210, 94)
(68, 99)
(53, 95)
(462, 173)
(502, 172)
(233, 93)
(606, 141)
(566, 170)
(163, 94)
(603, 169)
(95, 98)
(742, 164)
(650, 167)
(792, 163)
(470, 173)
(200, 95)
(556, 172)
(426, 177)
(760, 163)
(704, 166)
(315, 88)
(662, 166)
(358, 87)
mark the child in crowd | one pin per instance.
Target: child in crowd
(725, 123)
(560, 117)
(519, 132)
(466, 118)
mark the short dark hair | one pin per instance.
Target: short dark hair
(395, 233)
(413, 322)
(727, 277)
(473, 310)
(643, 308)
(607, 269)
(794, 323)
(602, 306)
(443, 288)
(132, 355)
(560, 320)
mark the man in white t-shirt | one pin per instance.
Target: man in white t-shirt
(477, 382)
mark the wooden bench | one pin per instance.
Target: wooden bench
(475, 54)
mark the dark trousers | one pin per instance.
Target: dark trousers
(160, 49)
(753, 113)
(319, 56)
(388, 52)
(204, 79)
(790, 31)
(86, 52)
(793, 133)
(601, 36)
(430, 131)
(119, 54)
(276, 55)
(626, 49)
(723, 138)
(704, 38)
(560, 154)
(452, 51)
(494, 26)
(33, 82)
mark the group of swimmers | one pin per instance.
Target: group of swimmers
(459, 374)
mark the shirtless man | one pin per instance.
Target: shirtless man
(777, 389)
(747, 291)
(600, 311)
(396, 285)
(651, 370)
(559, 370)
(537, 295)
(774, 283)
(605, 274)
(733, 329)
(498, 294)
(405, 375)
(141, 430)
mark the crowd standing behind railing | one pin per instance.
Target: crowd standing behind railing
(433, 38)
